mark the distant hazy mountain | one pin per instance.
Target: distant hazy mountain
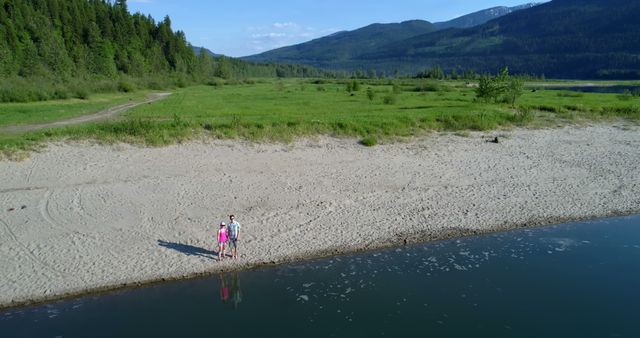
(480, 17)
(347, 44)
(197, 50)
(561, 38)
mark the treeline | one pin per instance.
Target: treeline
(74, 38)
(235, 69)
(55, 49)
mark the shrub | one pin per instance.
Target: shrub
(523, 116)
(428, 87)
(501, 88)
(61, 93)
(353, 86)
(626, 96)
(100, 86)
(513, 90)
(371, 94)
(570, 94)
(82, 94)
(389, 99)
(181, 82)
(216, 82)
(632, 112)
(396, 89)
(125, 87)
(547, 108)
(155, 84)
(369, 141)
(207, 126)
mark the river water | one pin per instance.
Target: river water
(599, 89)
(573, 280)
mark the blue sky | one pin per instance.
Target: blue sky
(246, 27)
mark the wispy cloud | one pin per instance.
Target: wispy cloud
(280, 34)
(286, 25)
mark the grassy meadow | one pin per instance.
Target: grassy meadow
(56, 110)
(281, 110)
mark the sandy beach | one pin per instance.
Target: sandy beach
(77, 218)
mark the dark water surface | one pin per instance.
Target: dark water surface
(573, 280)
(598, 89)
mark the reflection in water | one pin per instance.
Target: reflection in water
(230, 288)
(224, 289)
(236, 291)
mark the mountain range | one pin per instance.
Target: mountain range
(345, 45)
(480, 17)
(561, 39)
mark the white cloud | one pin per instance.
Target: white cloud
(268, 35)
(286, 25)
(280, 34)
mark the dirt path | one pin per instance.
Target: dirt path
(101, 115)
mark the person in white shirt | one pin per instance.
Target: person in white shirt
(234, 235)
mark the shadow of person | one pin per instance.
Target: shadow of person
(188, 250)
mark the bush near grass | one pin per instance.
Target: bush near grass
(626, 96)
(389, 99)
(126, 87)
(180, 81)
(352, 86)
(630, 112)
(18, 89)
(369, 141)
(82, 94)
(34, 89)
(396, 89)
(371, 94)
(428, 87)
(500, 88)
(523, 116)
(570, 94)
(216, 82)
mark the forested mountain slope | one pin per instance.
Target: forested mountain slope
(561, 38)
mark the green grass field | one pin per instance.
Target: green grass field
(56, 110)
(281, 110)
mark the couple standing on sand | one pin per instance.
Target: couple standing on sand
(228, 233)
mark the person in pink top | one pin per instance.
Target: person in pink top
(222, 240)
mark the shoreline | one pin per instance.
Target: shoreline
(96, 216)
(290, 260)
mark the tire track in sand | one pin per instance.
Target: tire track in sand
(27, 253)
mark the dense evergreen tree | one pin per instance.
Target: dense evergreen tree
(64, 42)
(76, 37)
